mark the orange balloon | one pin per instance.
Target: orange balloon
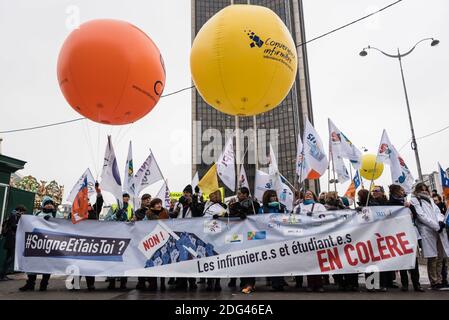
(313, 175)
(111, 72)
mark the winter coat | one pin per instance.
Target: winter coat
(315, 209)
(428, 218)
(156, 215)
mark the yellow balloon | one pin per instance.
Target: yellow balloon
(243, 60)
(370, 169)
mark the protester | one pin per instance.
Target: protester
(271, 204)
(123, 214)
(9, 230)
(310, 205)
(214, 207)
(48, 211)
(156, 212)
(344, 281)
(139, 215)
(242, 208)
(322, 198)
(397, 198)
(439, 203)
(435, 243)
(188, 206)
(312, 208)
(94, 214)
(378, 198)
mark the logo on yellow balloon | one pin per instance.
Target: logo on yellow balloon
(256, 41)
(273, 49)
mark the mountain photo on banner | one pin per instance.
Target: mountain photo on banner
(400, 173)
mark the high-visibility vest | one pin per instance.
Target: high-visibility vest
(114, 208)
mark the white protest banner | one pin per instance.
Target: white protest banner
(344, 241)
(153, 241)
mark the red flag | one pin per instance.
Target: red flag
(80, 206)
(350, 193)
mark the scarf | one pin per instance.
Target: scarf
(309, 201)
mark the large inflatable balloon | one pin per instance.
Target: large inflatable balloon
(111, 72)
(371, 170)
(243, 60)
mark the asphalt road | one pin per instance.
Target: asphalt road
(57, 291)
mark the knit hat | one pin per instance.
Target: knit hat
(188, 188)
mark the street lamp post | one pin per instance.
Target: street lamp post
(399, 56)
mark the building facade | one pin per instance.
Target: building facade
(282, 124)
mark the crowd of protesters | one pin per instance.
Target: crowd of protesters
(427, 212)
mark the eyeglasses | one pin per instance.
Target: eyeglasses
(377, 190)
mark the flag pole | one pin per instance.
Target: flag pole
(333, 171)
(352, 181)
(371, 183)
(288, 182)
(237, 144)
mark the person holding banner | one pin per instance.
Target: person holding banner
(244, 206)
(311, 207)
(344, 281)
(9, 230)
(214, 208)
(431, 226)
(156, 212)
(48, 210)
(123, 214)
(271, 204)
(94, 214)
(397, 198)
(187, 208)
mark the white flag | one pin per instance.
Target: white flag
(286, 196)
(302, 169)
(148, 174)
(262, 183)
(128, 181)
(343, 147)
(226, 165)
(243, 180)
(90, 186)
(273, 171)
(110, 177)
(164, 195)
(400, 173)
(314, 154)
(195, 180)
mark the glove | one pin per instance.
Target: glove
(242, 216)
(47, 217)
(442, 226)
(215, 216)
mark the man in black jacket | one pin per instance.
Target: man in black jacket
(9, 230)
(94, 214)
(397, 198)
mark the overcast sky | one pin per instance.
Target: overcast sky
(362, 96)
